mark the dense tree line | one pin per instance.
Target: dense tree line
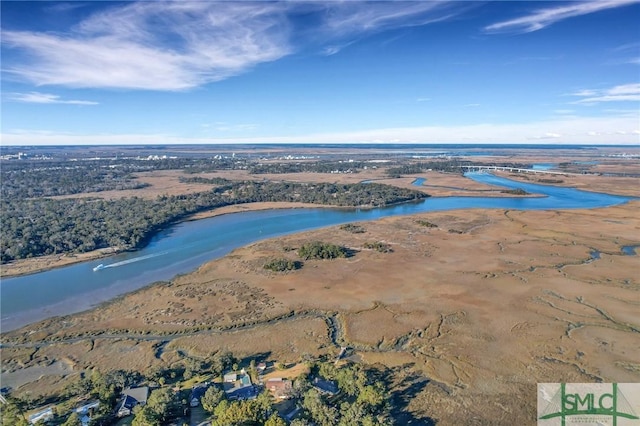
(32, 179)
(450, 166)
(46, 180)
(36, 227)
(308, 167)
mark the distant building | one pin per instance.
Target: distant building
(130, 398)
(230, 378)
(261, 367)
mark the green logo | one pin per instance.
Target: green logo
(586, 403)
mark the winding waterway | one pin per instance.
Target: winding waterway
(185, 246)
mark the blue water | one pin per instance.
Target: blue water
(418, 181)
(186, 246)
(543, 166)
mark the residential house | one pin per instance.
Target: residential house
(86, 411)
(230, 377)
(196, 393)
(130, 398)
(43, 414)
(280, 388)
(241, 389)
(325, 386)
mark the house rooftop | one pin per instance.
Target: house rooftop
(326, 386)
(140, 394)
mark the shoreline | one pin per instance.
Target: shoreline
(39, 264)
(35, 265)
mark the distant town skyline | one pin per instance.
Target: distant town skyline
(320, 72)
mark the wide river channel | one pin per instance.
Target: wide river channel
(185, 246)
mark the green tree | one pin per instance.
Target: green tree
(211, 398)
(12, 415)
(73, 420)
(275, 420)
(161, 404)
(144, 417)
(372, 396)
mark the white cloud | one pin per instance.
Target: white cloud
(577, 130)
(46, 98)
(355, 17)
(155, 45)
(181, 45)
(548, 135)
(542, 18)
(624, 92)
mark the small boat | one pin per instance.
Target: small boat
(100, 266)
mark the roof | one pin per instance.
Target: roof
(280, 388)
(230, 377)
(198, 391)
(43, 414)
(326, 386)
(139, 395)
(88, 406)
(246, 392)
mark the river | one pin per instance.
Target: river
(185, 246)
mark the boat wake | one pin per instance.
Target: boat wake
(128, 261)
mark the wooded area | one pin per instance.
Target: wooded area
(41, 226)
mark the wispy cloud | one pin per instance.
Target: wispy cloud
(154, 45)
(542, 18)
(181, 45)
(46, 98)
(621, 93)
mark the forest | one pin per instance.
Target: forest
(43, 226)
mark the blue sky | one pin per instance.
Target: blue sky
(329, 72)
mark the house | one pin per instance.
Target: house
(130, 398)
(279, 388)
(196, 393)
(43, 414)
(261, 367)
(230, 377)
(240, 389)
(325, 386)
(85, 411)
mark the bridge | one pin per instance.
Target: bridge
(512, 169)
